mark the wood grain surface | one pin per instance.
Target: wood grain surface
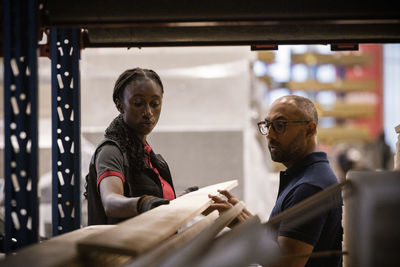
(199, 245)
(141, 233)
(155, 256)
(58, 251)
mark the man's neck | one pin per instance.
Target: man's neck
(298, 159)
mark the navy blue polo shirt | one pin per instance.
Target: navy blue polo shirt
(302, 180)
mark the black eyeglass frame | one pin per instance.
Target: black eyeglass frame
(266, 124)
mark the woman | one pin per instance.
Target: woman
(125, 177)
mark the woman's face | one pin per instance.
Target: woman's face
(140, 106)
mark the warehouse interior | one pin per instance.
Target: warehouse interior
(222, 67)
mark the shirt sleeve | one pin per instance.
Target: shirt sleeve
(109, 162)
(310, 231)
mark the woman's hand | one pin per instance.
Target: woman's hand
(146, 203)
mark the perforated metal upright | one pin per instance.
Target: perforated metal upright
(20, 123)
(66, 156)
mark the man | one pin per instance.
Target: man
(290, 128)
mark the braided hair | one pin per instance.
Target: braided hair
(118, 130)
(131, 75)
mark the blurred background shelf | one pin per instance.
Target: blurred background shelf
(338, 85)
(346, 87)
(268, 80)
(266, 56)
(339, 134)
(344, 110)
(346, 60)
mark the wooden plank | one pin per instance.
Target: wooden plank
(141, 233)
(232, 249)
(264, 249)
(247, 243)
(196, 247)
(58, 251)
(156, 256)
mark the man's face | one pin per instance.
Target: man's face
(289, 146)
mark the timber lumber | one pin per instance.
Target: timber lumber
(339, 85)
(348, 110)
(141, 233)
(58, 251)
(196, 247)
(253, 242)
(343, 134)
(155, 256)
(334, 59)
(247, 243)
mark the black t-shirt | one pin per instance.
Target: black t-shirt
(324, 232)
(309, 232)
(108, 160)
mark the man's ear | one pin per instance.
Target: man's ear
(311, 128)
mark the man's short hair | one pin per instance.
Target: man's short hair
(306, 106)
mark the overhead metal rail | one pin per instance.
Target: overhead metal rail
(212, 22)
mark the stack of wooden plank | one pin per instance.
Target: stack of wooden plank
(153, 238)
(156, 238)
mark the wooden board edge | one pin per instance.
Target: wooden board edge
(86, 245)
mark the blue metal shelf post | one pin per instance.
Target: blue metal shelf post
(66, 156)
(20, 123)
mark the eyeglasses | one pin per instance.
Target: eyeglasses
(279, 126)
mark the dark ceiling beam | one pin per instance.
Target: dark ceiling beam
(127, 23)
(92, 12)
(282, 33)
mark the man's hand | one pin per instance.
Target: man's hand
(223, 205)
(146, 203)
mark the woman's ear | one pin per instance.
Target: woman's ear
(119, 106)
